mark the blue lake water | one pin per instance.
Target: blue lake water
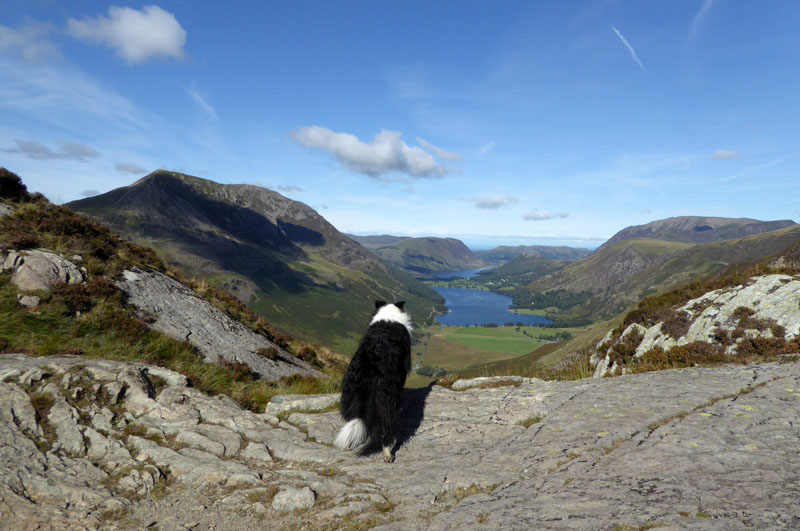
(466, 273)
(471, 307)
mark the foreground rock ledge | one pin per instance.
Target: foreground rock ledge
(91, 443)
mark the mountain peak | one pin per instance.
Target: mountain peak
(697, 229)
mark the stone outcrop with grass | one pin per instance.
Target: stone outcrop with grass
(759, 317)
(121, 445)
(180, 313)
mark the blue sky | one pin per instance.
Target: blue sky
(496, 122)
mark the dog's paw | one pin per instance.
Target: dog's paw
(388, 458)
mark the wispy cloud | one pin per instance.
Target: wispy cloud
(90, 193)
(486, 148)
(698, 18)
(721, 154)
(385, 153)
(630, 49)
(541, 215)
(137, 36)
(29, 42)
(202, 103)
(441, 153)
(493, 203)
(289, 188)
(126, 167)
(68, 151)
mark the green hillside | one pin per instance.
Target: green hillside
(278, 255)
(425, 255)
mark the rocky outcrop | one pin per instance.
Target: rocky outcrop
(691, 448)
(39, 269)
(5, 210)
(178, 312)
(765, 307)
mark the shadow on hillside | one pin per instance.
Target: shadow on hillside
(202, 228)
(410, 418)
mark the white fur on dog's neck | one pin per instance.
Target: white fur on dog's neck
(392, 313)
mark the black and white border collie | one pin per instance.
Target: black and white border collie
(372, 388)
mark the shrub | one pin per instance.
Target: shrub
(623, 351)
(676, 324)
(11, 186)
(689, 355)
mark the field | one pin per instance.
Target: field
(456, 348)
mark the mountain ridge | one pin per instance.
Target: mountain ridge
(697, 229)
(291, 265)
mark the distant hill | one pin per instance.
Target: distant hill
(617, 276)
(372, 242)
(280, 256)
(523, 269)
(426, 255)
(697, 229)
(504, 253)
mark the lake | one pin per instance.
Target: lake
(471, 307)
(440, 275)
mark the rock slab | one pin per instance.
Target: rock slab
(683, 449)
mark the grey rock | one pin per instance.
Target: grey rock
(64, 419)
(39, 269)
(181, 314)
(772, 298)
(487, 381)
(284, 403)
(291, 499)
(29, 301)
(6, 210)
(257, 451)
(643, 449)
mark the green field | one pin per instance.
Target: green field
(456, 349)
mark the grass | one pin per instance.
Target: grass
(93, 320)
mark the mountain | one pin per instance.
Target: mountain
(618, 275)
(280, 256)
(504, 253)
(373, 242)
(523, 269)
(696, 229)
(425, 255)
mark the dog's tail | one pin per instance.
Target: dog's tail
(352, 435)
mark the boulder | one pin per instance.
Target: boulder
(181, 314)
(39, 269)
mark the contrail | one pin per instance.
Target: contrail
(630, 49)
(704, 9)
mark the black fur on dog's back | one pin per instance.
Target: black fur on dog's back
(372, 387)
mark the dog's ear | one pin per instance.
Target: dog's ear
(400, 304)
(379, 304)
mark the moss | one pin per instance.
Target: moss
(530, 421)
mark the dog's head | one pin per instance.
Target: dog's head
(396, 312)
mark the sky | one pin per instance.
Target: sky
(513, 122)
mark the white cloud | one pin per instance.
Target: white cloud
(541, 215)
(698, 18)
(202, 103)
(385, 153)
(721, 154)
(493, 203)
(90, 193)
(137, 36)
(68, 151)
(290, 188)
(126, 167)
(28, 42)
(486, 148)
(441, 153)
(630, 49)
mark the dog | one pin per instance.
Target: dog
(372, 388)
